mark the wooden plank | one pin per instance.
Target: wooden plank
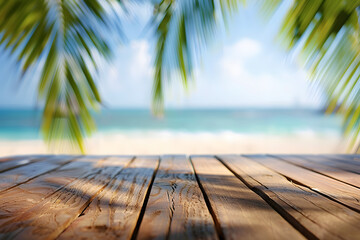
(319, 216)
(51, 216)
(325, 167)
(349, 163)
(12, 158)
(176, 208)
(238, 210)
(115, 212)
(353, 158)
(333, 189)
(345, 162)
(339, 163)
(9, 163)
(16, 157)
(25, 173)
(17, 200)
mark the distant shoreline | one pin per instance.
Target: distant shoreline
(188, 132)
(109, 144)
(18, 124)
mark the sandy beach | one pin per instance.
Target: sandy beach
(205, 143)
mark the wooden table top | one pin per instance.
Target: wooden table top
(180, 197)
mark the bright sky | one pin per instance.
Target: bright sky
(244, 67)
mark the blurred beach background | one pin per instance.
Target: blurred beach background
(190, 131)
(248, 95)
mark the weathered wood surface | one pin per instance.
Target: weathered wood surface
(114, 213)
(312, 213)
(25, 196)
(238, 210)
(325, 167)
(47, 219)
(9, 163)
(173, 197)
(16, 176)
(176, 208)
(346, 163)
(338, 191)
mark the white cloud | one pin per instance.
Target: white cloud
(249, 76)
(244, 49)
(235, 56)
(140, 60)
(127, 82)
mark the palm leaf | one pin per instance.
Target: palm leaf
(183, 29)
(67, 35)
(328, 34)
(327, 31)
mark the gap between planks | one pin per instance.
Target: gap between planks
(143, 214)
(324, 166)
(320, 216)
(337, 191)
(176, 207)
(116, 212)
(52, 214)
(238, 209)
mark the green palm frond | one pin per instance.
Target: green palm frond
(328, 34)
(183, 29)
(68, 35)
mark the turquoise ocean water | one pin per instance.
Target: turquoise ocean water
(24, 124)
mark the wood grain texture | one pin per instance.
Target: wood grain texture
(321, 165)
(17, 200)
(20, 157)
(322, 217)
(9, 163)
(115, 212)
(55, 213)
(239, 211)
(353, 159)
(25, 173)
(260, 197)
(347, 163)
(338, 191)
(176, 208)
(11, 158)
